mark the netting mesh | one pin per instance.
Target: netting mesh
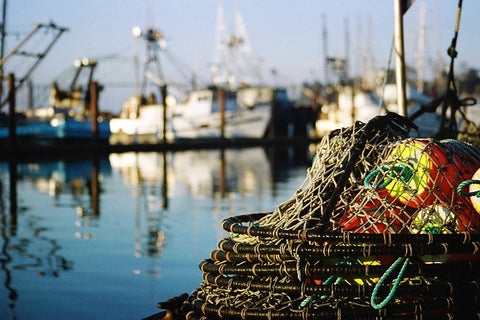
(384, 226)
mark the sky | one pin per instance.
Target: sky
(284, 35)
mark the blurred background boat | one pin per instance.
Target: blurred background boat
(236, 103)
(72, 113)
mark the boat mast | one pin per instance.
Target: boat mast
(219, 75)
(421, 49)
(234, 64)
(400, 58)
(369, 56)
(347, 49)
(2, 45)
(325, 48)
(248, 69)
(136, 63)
(155, 42)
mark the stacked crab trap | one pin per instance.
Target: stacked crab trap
(383, 227)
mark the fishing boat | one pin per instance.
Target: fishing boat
(60, 126)
(219, 110)
(199, 116)
(362, 105)
(349, 107)
(68, 116)
(234, 105)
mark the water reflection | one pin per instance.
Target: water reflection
(29, 246)
(8, 229)
(204, 173)
(56, 214)
(75, 177)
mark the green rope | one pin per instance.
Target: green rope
(338, 279)
(401, 172)
(432, 229)
(326, 283)
(307, 301)
(466, 183)
(395, 285)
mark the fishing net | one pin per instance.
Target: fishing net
(384, 226)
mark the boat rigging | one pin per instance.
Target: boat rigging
(37, 57)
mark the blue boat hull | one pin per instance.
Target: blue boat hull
(59, 129)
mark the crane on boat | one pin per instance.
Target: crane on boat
(37, 57)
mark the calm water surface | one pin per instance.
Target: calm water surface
(109, 237)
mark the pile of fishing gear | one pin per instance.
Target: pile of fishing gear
(383, 227)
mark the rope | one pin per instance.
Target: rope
(401, 172)
(466, 183)
(451, 86)
(395, 285)
(452, 52)
(385, 78)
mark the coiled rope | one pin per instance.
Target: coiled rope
(467, 183)
(395, 286)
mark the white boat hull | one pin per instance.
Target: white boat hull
(341, 116)
(248, 123)
(244, 123)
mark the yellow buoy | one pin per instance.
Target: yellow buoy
(475, 191)
(414, 173)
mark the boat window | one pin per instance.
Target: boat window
(215, 106)
(281, 95)
(231, 95)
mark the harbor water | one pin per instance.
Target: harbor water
(107, 237)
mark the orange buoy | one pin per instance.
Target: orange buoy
(370, 221)
(372, 211)
(420, 173)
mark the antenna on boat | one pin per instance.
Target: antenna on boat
(234, 63)
(155, 42)
(136, 63)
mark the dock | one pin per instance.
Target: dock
(26, 149)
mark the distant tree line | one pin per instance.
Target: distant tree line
(466, 79)
(469, 82)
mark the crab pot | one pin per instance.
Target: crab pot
(383, 227)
